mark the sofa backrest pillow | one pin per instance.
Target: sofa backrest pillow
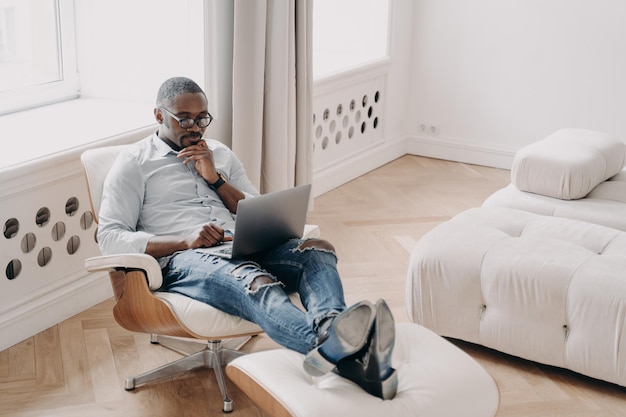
(568, 164)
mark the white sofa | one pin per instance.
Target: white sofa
(524, 274)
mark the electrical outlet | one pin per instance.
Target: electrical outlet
(431, 129)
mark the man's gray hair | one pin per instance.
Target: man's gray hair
(175, 86)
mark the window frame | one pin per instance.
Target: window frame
(64, 89)
(356, 65)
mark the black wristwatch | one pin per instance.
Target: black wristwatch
(220, 181)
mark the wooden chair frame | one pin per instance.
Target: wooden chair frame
(133, 278)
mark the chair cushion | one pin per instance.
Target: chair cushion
(568, 164)
(205, 320)
(96, 164)
(435, 378)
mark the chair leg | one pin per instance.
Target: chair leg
(177, 344)
(217, 361)
(182, 365)
(215, 354)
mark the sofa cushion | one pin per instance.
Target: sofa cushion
(567, 164)
(604, 205)
(543, 288)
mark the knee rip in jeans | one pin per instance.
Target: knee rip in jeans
(316, 244)
(257, 277)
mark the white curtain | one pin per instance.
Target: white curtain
(272, 91)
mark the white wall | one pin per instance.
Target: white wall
(494, 75)
(400, 74)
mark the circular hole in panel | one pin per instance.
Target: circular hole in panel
(352, 105)
(11, 227)
(13, 269)
(369, 112)
(363, 127)
(43, 216)
(28, 242)
(325, 142)
(326, 114)
(339, 110)
(357, 116)
(86, 220)
(376, 97)
(318, 131)
(338, 138)
(314, 117)
(58, 231)
(350, 132)
(73, 244)
(332, 126)
(346, 120)
(364, 100)
(375, 122)
(71, 206)
(44, 256)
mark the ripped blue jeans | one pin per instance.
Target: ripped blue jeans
(295, 266)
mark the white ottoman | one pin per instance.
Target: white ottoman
(435, 378)
(548, 289)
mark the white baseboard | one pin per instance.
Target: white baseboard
(453, 150)
(52, 308)
(355, 165)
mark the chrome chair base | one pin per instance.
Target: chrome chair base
(215, 354)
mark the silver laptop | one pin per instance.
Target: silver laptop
(266, 221)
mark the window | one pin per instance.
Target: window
(348, 33)
(124, 51)
(117, 45)
(37, 53)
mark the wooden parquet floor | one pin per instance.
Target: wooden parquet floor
(77, 367)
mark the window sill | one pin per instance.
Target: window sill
(37, 134)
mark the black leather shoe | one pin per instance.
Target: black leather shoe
(347, 335)
(371, 368)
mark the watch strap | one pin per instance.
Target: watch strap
(221, 180)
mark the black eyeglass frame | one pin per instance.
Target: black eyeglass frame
(182, 122)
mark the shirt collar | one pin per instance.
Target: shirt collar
(160, 146)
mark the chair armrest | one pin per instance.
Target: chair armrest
(128, 261)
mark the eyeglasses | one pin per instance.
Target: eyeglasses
(188, 123)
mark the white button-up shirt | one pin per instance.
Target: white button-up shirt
(150, 192)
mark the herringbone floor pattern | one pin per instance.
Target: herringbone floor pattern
(77, 368)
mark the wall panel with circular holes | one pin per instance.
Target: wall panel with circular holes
(347, 120)
(47, 234)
